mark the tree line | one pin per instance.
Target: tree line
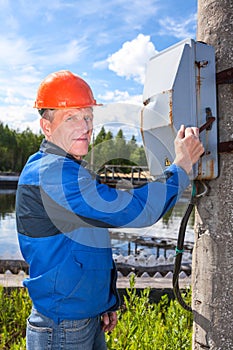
(107, 149)
(16, 147)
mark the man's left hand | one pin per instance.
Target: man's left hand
(109, 321)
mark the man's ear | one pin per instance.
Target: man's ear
(45, 126)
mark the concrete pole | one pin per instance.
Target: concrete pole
(213, 254)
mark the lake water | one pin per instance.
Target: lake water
(124, 242)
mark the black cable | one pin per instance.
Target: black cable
(178, 256)
(183, 225)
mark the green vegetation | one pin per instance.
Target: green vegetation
(15, 307)
(115, 150)
(141, 324)
(16, 147)
(7, 204)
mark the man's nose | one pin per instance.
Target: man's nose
(83, 124)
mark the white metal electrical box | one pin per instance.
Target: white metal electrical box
(180, 88)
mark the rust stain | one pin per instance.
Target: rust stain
(209, 174)
(146, 102)
(141, 127)
(198, 80)
(171, 108)
(199, 65)
(211, 168)
(169, 92)
(199, 176)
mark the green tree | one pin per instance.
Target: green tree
(100, 137)
(16, 147)
(28, 143)
(138, 156)
(109, 136)
(116, 151)
(121, 150)
(8, 149)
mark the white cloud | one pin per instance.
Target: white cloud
(136, 13)
(63, 54)
(19, 87)
(120, 110)
(180, 29)
(20, 117)
(17, 67)
(100, 64)
(20, 74)
(130, 61)
(113, 114)
(120, 96)
(37, 37)
(14, 51)
(10, 97)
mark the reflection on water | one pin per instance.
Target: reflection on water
(158, 239)
(9, 248)
(7, 202)
(124, 241)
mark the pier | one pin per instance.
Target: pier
(8, 180)
(122, 176)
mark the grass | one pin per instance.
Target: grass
(142, 325)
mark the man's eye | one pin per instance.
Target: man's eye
(78, 118)
(88, 118)
(69, 119)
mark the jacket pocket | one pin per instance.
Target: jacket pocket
(87, 284)
(41, 288)
(82, 270)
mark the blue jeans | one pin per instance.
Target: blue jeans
(44, 334)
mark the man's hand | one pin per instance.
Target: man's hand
(188, 148)
(109, 321)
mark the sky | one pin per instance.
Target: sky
(107, 43)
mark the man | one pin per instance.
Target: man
(63, 215)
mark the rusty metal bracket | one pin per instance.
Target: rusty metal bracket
(209, 121)
(225, 77)
(225, 147)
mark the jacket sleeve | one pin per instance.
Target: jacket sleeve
(74, 189)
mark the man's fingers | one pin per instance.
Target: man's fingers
(192, 131)
(109, 321)
(188, 148)
(181, 132)
(196, 132)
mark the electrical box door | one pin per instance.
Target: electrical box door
(180, 88)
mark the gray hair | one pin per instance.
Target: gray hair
(47, 114)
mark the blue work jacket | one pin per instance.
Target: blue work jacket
(63, 215)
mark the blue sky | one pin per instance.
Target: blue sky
(108, 43)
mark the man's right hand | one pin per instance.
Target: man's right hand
(188, 148)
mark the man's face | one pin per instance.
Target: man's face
(71, 130)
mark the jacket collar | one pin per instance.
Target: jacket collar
(49, 147)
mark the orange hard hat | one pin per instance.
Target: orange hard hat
(64, 89)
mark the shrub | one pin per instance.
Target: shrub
(15, 307)
(148, 326)
(142, 325)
